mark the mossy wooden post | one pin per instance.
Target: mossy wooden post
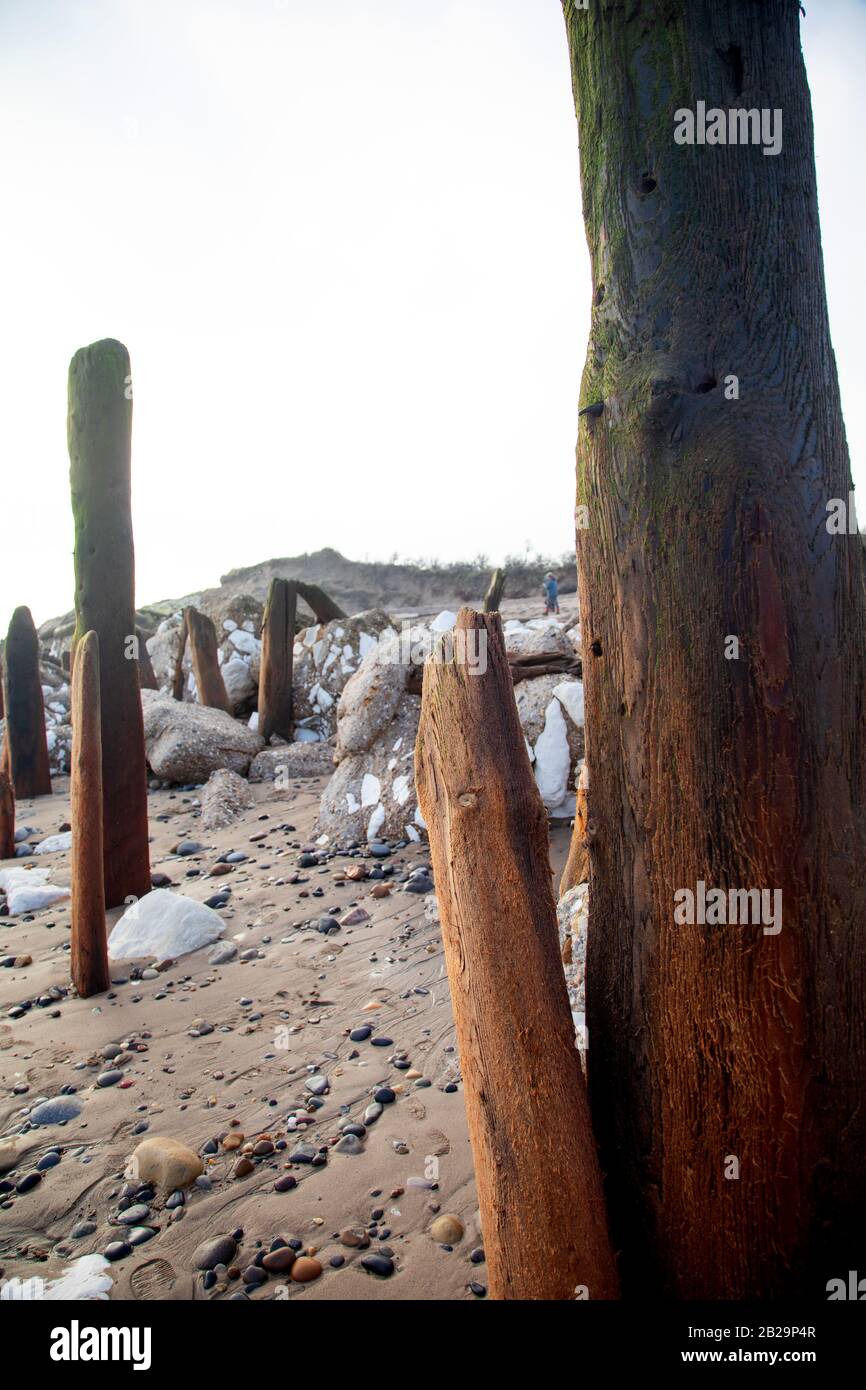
(98, 429)
(178, 682)
(209, 682)
(26, 745)
(495, 590)
(88, 946)
(323, 606)
(278, 644)
(536, 1169)
(7, 816)
(146, 674)
(724, 661)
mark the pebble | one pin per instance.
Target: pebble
(378, 1264)
(55, 1112)
(305, 1269)
(285, 1183)
(117, 1250)
(350, 1144)
(279, 1261)
(219, 1250)
(360, 1034)
(109, 1078)
(447, 1229)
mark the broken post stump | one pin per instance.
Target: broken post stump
(495, 589)
(146, 674)
(325, 610)
(7, 816)
(278, 644)
(209, 682)
(577, 865)
(88, 947)
(99, 428)
(536, 1165)
(26, 755)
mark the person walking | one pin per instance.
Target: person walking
(551, 594)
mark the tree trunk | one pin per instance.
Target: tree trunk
(278, 645)
(536, 1169)
(323, 607)
(99, 425)
(178, 681)
(717, 1049)
(146, 674)
(26, 755)
(495, 589)
(7, 816)
(205, 662)
(88, 947)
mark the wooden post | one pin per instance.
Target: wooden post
(493, 597)
(323, 606)
(7, 816)
(177, 683)
(278, 643)
(537, 1175)
(89, 948)
(26, 756)
(99, 430)
(205, 662)
(577, 865)
(146, 674)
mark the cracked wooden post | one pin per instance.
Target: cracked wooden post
(7, 816)
(495, 590)
(26, 755)
(209, 683)
(323, 606)
(99, 435)
(89, 947)
(536, 1169)
(146, 674)
(177, 683)
(278, 644)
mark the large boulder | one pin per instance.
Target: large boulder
(325, 656)
(238, 624)
(371, 696)
(536, 636)
(372, 793)
(292, 760)
(550, 709)
(186, 743)
(163, 925)
(226, 795)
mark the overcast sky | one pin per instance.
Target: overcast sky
(343, 244)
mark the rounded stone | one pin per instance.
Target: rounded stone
(447, 1229)
(305, 1269)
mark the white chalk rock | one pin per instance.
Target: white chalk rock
(163, 925)
(28, 890)
(54, 844)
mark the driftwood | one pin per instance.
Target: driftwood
(7, 816)
(26, 752)
(493, 597)
(524, 668)
(99, 429)
(325, 610)
(577, 865)
(278, 644)
(537, 1174)
(88, 945)
(205, 662)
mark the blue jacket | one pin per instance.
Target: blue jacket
(552, 589)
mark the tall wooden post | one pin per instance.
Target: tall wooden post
(537, 1175)
(89, 948)
(205, 662)
(177, 682)
(495, 590)
(99, 434)
(146, 674)
(26, 756)
(278, 643)
(323, 606)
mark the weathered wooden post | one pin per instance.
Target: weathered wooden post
(178, 681)
(323, 606)
(495, 590)
(146, 674)
(7, 816)
(205, 662)
(536, 1166)
(26, 755)
(577, 865)
(278, 643)
(99, 428)
(89, 948)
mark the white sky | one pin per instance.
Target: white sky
(343, 244)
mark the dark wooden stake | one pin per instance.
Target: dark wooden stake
(536, 1167)
(7, 816)
(178, 681)
(205, 662)
(495, 589)
(146, 674)
(26, 756)
(89, 947)
(278, 642)
(323, 606)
